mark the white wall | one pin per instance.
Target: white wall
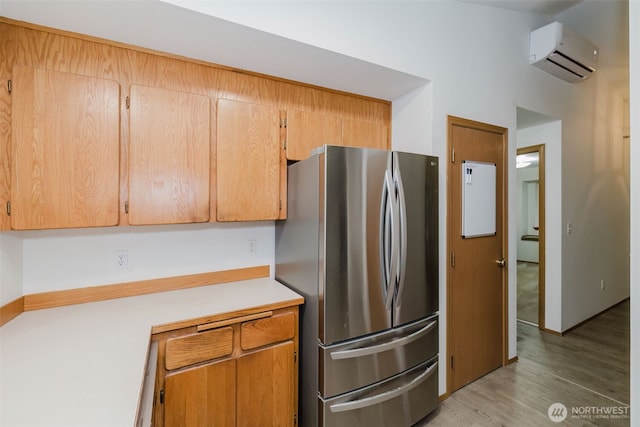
(634, 106)
(550, 134)
(66, 259)
(475, 58)
(595, 201)
(10, 266)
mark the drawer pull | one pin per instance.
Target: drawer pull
(233, 320)
(383, 397)
(379, 348)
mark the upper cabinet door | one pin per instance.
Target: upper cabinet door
(248, 161)
(65, 150)
(358, 133)
(169, 156)
(307, 130)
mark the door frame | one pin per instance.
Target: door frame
(542, 229)
(458, 121)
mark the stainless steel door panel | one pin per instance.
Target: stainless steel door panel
(351, 287)
(348, 366)
(417, 296)
(400, 401)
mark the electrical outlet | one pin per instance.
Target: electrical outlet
(121, 259)
(252, 246)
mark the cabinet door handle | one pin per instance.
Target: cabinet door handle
(213, 325)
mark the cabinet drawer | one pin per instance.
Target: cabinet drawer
(199, 347)
(267, 331)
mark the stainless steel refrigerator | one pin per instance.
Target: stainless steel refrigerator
(360, 243)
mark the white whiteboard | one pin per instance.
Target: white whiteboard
(478, 199)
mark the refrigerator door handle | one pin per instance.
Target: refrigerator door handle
(384, 238)
(383, 397)
(379, 348)
(402, 238)
(391, 261)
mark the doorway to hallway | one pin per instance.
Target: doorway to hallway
(531, 235)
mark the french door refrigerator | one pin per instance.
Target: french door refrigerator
(360, 243)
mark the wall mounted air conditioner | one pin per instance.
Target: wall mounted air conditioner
(563, 53)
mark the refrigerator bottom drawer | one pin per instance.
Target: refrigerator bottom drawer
(400, 401)
(358, 363)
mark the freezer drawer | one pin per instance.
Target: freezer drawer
(400, 401)
(362, 362)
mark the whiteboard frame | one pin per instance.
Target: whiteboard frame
(478, 199)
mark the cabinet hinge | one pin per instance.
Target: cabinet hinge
(295, 356)
(451, 362)
(9, 208)
(280, 205)
(453, 259)
(295, 419)
(453, 155)
(162, 396)
(126, 207)
(9, 86)
(127, 102)
(283, 123)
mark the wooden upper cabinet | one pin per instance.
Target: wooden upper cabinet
(308, 130)
(248, 161)
(169, 156)
(358, 133)
(65, 150)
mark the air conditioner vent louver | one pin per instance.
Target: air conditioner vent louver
(562, 53)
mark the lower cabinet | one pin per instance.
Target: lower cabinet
(265, 387)
(238, 371)
(201, 396)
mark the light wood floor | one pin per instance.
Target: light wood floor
(586, 368)
(528, 291)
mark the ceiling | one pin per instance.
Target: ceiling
(542, 7)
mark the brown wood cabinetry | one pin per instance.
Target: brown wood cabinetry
(195, 142)
(359, 133)
(65, 150)
(308, 130)
(239, 371)
(169, 154)
(248, 162)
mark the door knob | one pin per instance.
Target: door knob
(501, 262)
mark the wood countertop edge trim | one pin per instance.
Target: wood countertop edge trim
(226, 315)
(61, 298)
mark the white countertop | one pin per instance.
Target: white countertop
(83, 365)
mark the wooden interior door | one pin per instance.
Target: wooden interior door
(308, 130)
(65, 151)
(266, 387)
(204, 396)
(169, 156)
(477, 302)
(359, 133)
(248, 166)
